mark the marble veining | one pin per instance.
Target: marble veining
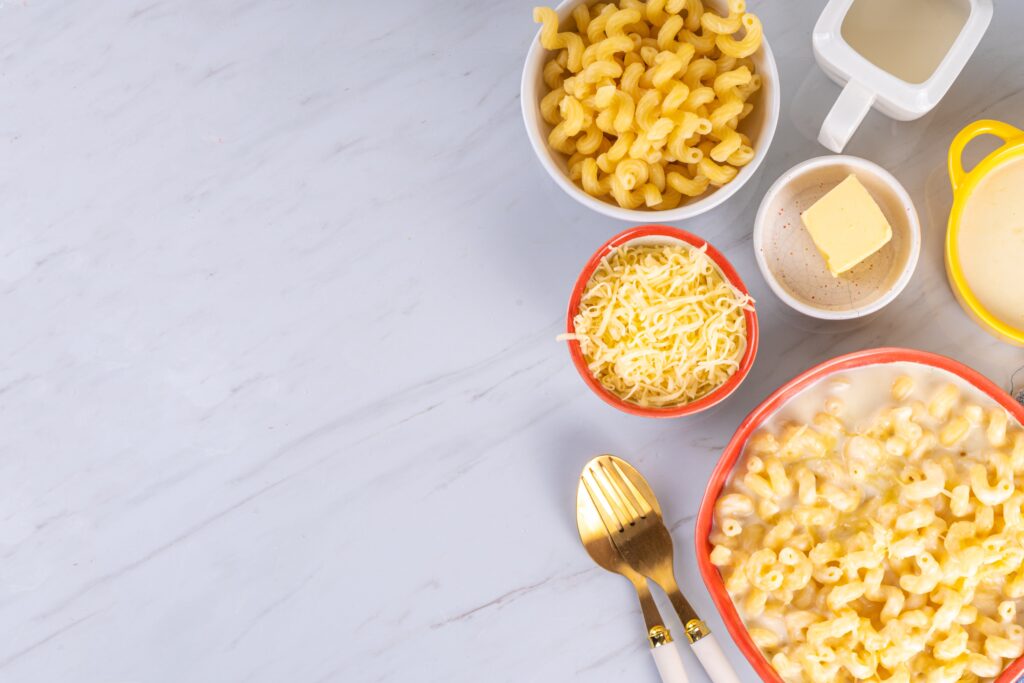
(281, 398)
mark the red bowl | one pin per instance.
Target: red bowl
(703, 403)
(712, 578)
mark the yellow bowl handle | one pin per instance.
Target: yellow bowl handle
(984, 127)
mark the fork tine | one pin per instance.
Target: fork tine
(611, 523)
(625, 484)
(622, 507)
(614, 480)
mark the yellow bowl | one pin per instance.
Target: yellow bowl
(964, 183)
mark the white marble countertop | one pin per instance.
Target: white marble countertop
(280, 398)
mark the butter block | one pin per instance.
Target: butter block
(846, 225)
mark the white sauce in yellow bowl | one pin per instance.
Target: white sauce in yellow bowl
(991, 242)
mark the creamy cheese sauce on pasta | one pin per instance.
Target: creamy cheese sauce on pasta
(991, 242)
(868, 535)
(865, 393)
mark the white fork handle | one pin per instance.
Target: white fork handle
(669, 661)
(713, 660)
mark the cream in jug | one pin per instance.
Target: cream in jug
(907, 38)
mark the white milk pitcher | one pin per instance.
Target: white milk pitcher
(899, 56)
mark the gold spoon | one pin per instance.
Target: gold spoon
(598, 543)
(632, 516)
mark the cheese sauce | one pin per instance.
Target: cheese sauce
(991, 242)
(865, 393)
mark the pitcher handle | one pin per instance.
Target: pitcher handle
(845, 116)
(1003, 131)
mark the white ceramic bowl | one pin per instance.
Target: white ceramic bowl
(759, 126)
(790, 262)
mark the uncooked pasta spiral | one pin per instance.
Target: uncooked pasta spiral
(645, 98)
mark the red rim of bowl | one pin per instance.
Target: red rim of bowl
(705, 516)
(703, 403)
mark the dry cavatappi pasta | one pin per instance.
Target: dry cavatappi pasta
(891, 552)
(645, 97)
(659, 326)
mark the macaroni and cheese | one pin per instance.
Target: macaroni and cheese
(881, 544)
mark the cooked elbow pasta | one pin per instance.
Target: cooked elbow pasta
(886, 546)
(660, 87)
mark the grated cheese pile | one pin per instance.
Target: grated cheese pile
(659, 325)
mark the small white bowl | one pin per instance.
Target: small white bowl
(759, 126)
(794, 268)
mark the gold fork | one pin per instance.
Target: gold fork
(632, 516)
(602, 550)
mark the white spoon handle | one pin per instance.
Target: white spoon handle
(713, 660)
(669, 661)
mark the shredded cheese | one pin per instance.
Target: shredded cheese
(659, 326)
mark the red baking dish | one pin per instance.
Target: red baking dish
(753, 421)
(717, 395)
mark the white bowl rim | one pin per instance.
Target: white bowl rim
(914, 225)
(531, 121)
